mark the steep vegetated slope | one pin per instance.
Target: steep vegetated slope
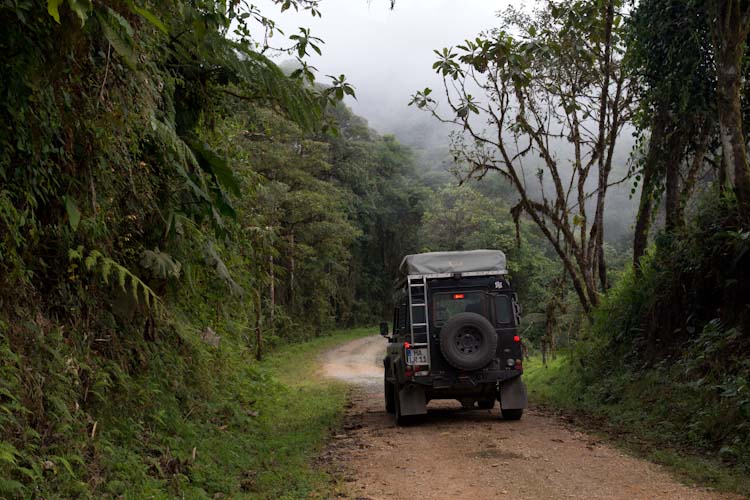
(665, 356)
(667, 352)
(172, 207)
(672, 339)
(664, 363)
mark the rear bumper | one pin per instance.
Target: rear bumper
(446, 380)
(503, 385)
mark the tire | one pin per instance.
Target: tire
(486, 404)
(512, 414)
(390, 404)
(467, 404)
(468, 341)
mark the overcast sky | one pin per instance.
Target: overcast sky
(388, 54)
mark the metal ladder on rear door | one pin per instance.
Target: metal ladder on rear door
(418, 314)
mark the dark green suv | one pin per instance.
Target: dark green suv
(454, 336)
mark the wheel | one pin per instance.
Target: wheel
(468, 341)
(390, 405)
(512, 414)
(467, 404)
(486, 404)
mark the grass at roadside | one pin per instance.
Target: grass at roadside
(295, 419)
(296, 364)
(637, 421)
(259, 439)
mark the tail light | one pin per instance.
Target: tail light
(519, 364)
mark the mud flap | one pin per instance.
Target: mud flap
(513, 394)
(412, 400)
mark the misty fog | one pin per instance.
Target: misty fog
(388, 55)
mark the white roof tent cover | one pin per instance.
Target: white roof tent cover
(472, 261)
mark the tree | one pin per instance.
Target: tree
(671, 61)
(386, 198)
(559, 78)
(729, 30)
(462, 218)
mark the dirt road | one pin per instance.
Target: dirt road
(455, 454)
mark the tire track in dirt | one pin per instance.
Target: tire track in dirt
(457, 454)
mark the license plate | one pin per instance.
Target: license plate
(416, 357)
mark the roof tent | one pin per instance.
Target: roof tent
(439, 264)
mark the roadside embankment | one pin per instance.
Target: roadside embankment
(638, 416)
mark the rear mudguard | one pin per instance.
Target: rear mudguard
(412, 400)
(513, 394)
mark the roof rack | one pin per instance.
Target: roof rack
(401, 282)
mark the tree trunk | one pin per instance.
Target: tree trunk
(699, 156)
(730, 31)
(597, 256)
(672, 185)
(603, 282)
(292, 265)
(649, 176)
(643, 219)
(272, 291)
(258, 327)
(665, 151)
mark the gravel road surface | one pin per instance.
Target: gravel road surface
(452, 453)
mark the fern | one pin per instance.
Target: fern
(106, 267)
(214, 260)
(162, 265)
(119, 36)
(8, 453)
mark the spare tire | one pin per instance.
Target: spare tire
(468, 341)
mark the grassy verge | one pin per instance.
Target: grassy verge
(638, 419)
(260, 442)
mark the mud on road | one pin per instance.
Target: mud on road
(452, 453)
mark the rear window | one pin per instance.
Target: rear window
(503, 309)
(447, 305)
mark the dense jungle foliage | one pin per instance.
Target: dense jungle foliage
(174, 206)
(672, 335)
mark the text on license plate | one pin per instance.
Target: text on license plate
(416, 357)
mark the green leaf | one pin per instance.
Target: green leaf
(120, 44)
(67, 465)
(74, 215)
(8, 453)
(53, 7)
(162, 265)
(11, 486)
(197, 190)
(150, 17)
(214, 164)
(81, 8)
(122, 21)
